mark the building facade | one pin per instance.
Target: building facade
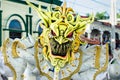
(17, 19)
(102, 31)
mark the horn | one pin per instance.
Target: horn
(90, 19)
(81, 23)
(40, 12)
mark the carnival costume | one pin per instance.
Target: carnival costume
(58, 53)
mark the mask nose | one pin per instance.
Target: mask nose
(63, 18)
(59, 39)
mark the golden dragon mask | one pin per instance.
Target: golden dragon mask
(60, 38)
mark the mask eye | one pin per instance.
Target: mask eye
(70, 17)
(56, 15)
(70, 35)
(53, 33)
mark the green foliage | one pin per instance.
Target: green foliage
(101, 15)
(118, 15)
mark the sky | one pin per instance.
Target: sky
(83, 7)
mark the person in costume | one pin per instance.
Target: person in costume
(57, 51)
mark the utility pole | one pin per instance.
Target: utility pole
(113, 23)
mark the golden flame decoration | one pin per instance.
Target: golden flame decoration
(63, 9)
(6, 61)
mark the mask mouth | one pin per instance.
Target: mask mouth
(59, 49)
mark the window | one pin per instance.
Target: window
(14, 27)
(106, 37)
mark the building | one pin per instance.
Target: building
(17, 19)
(103, 32)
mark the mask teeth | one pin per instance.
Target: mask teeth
(59, 50)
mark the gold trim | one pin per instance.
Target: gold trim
(97, 57)
(14, 52)
(6, 59)
(78, 68)
(105, 66)
(37, 61)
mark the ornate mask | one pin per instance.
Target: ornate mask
(60, 38)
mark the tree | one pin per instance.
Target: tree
(118, 15)
(101, 15)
